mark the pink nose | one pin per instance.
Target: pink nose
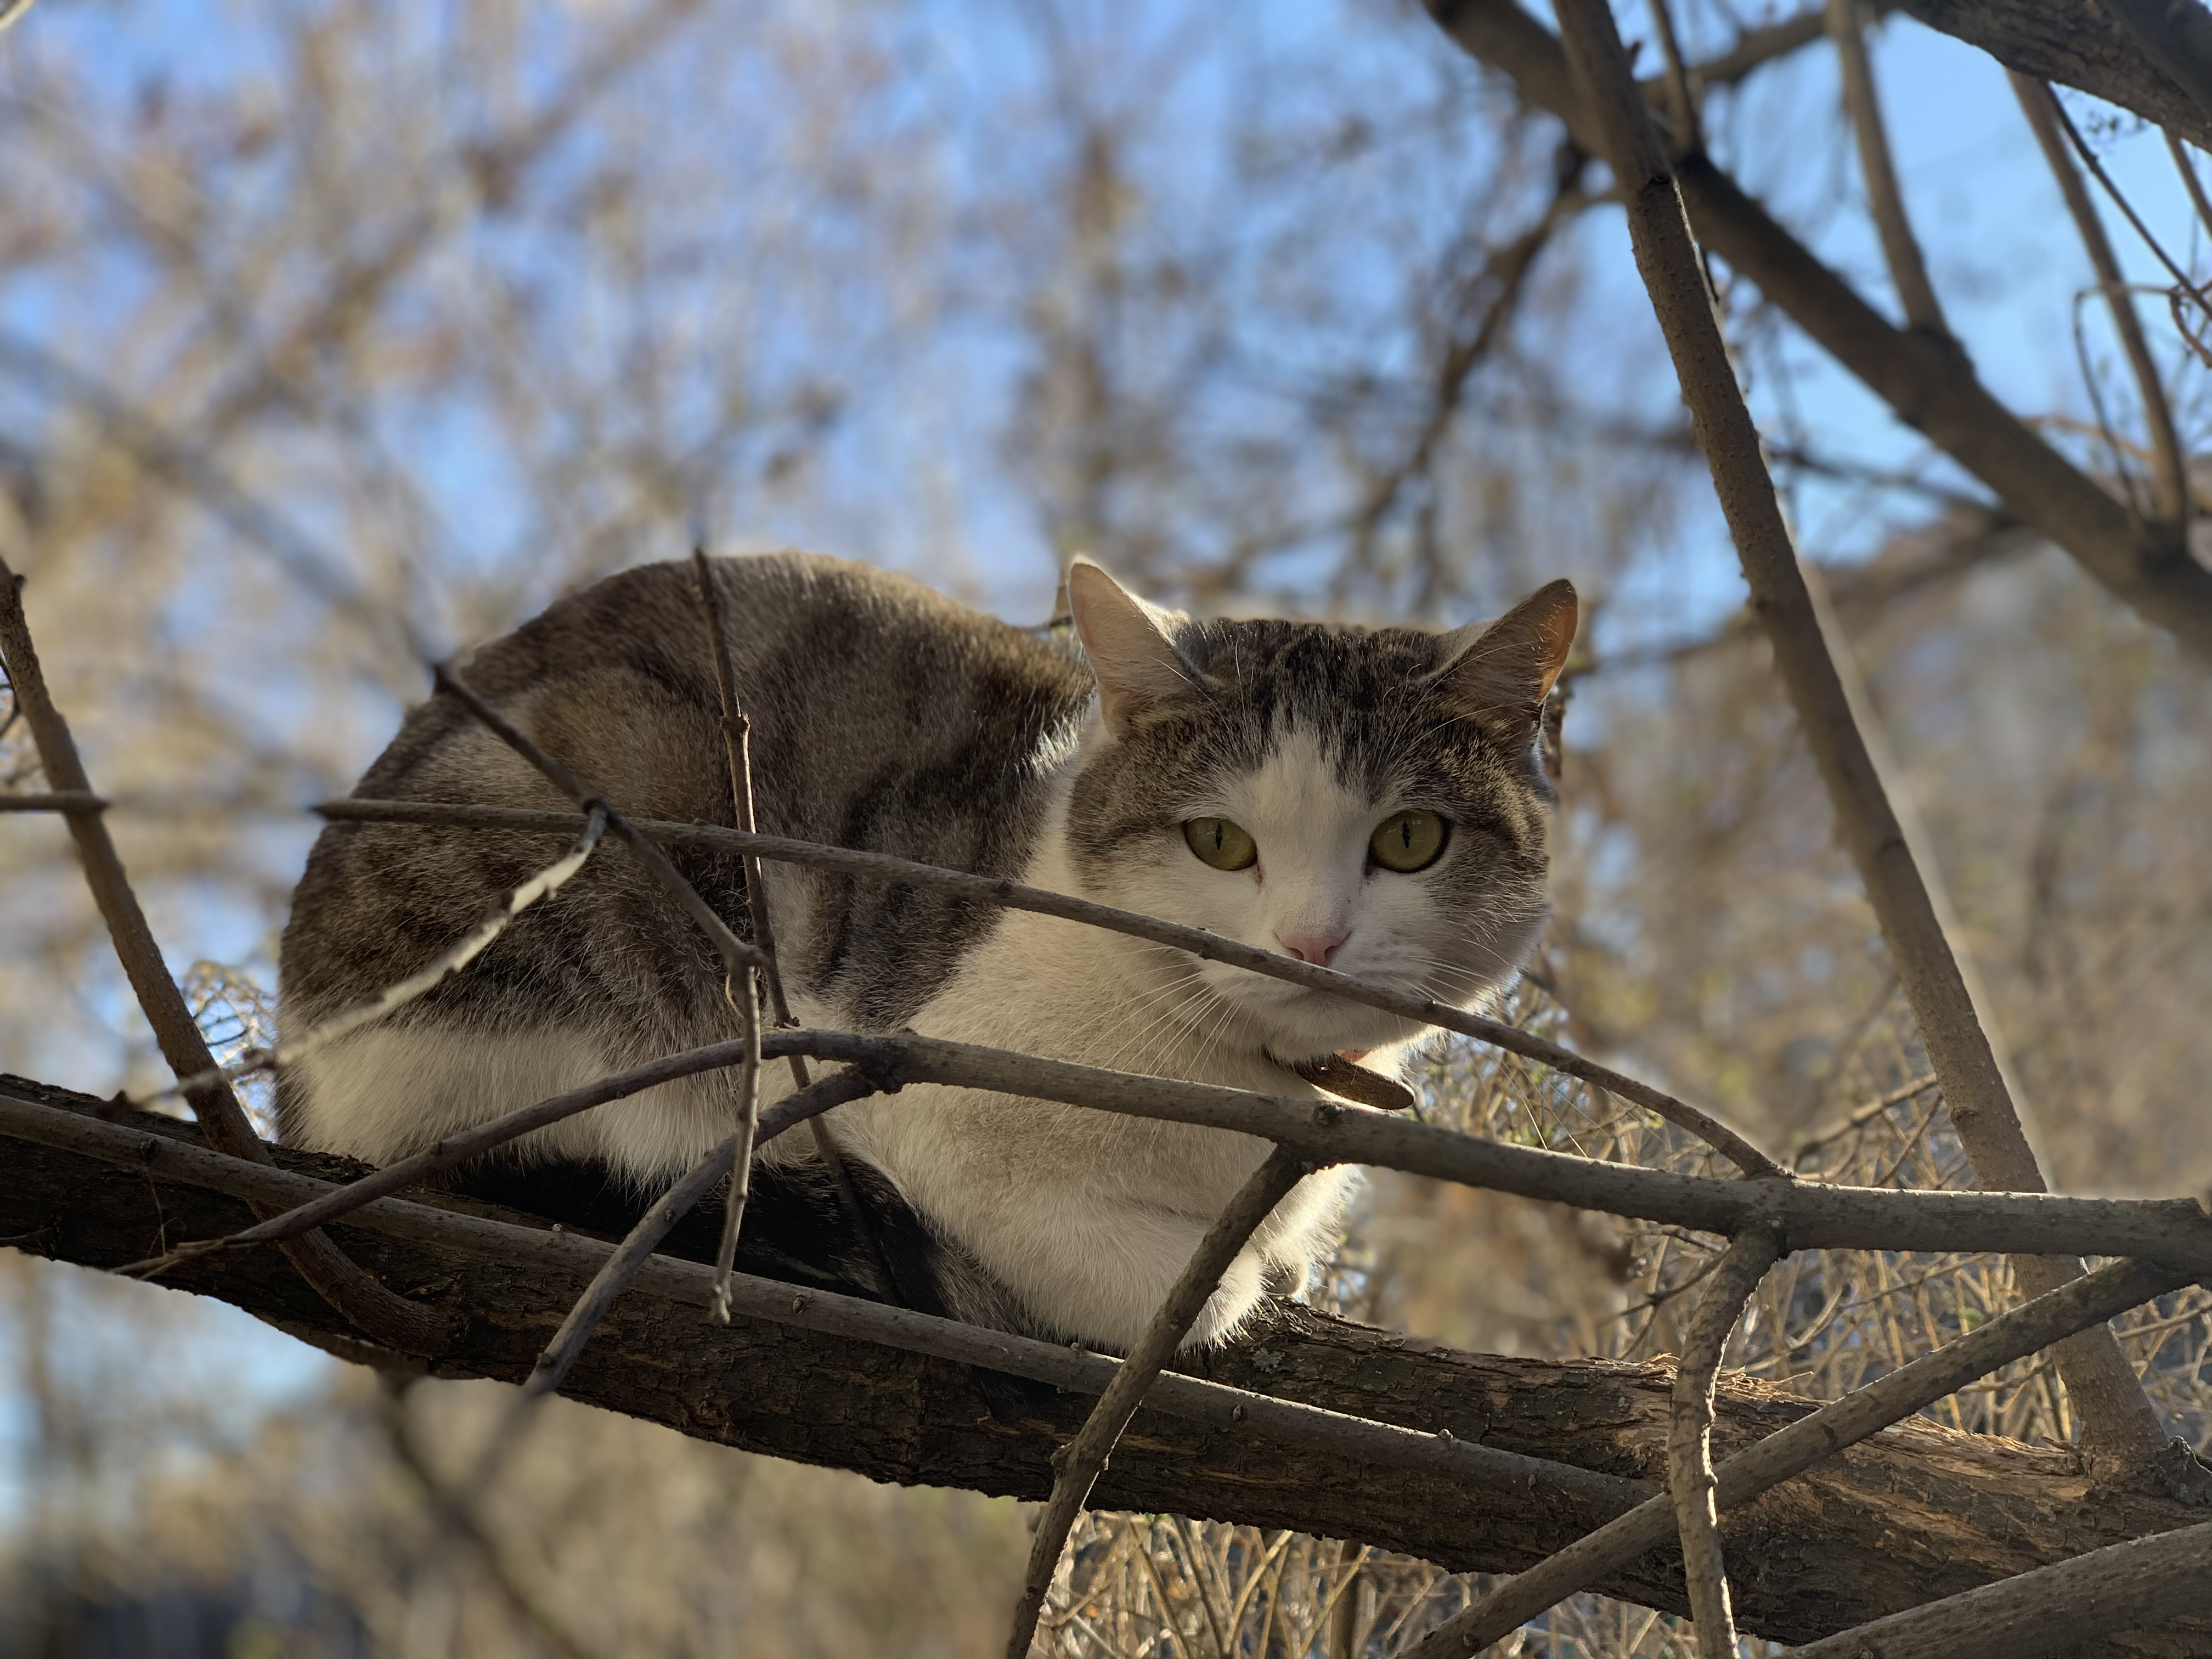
(1316, 948)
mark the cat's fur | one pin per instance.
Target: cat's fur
(886, 717)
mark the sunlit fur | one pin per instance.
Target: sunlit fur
(884, 717)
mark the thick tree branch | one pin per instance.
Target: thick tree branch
(1914, 1514)
(1926, 381)
(2048, 1611)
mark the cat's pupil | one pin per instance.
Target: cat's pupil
(1409, 842)
(1221, 843)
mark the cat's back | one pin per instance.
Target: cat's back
(856, 665)
(883, 716)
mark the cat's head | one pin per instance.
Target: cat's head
(1371, 799)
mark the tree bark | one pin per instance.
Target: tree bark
(1917, 1513)
(2153, 57)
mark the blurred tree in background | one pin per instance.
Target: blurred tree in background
(335, 335)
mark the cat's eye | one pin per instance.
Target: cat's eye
(1224, 845)
(1409, 842)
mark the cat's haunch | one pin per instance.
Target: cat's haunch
(1371, 799)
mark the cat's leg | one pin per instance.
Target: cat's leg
(1083, 1261)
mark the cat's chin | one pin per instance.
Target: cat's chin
(1297, 1025)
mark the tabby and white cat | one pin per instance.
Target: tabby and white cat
(1369, 799)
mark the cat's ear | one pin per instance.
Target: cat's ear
(1137, 667)
(1500, 672)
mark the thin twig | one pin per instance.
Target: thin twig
(2169, 467)
(740, 961)
(2084, 1305)
(58, 800)
(2190, 181)
(1755, 48)
(405, 1326)
(737, 955)
(1690, 1479)
(622, 1267)
(740, 1146)
(1681, 96)
(1815, 1215)
(1077, 1465)
(737, 749)
(2127, 207)
(469, 1145)
(2117, 1415)
(417, 985)
(1014, 896)
(1900, 246)
(1866, 1114)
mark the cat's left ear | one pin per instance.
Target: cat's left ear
(1126, 640)
(1500, 672)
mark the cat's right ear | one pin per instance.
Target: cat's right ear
(1500, 672)
(1136, 662)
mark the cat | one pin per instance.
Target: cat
(1369, 799)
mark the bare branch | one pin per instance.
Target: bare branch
(1213, 1404)
(1755, 48)
(615, 1273)
(737, 955)
(1690, 1479)
(2149, 55)
(58, 800)
(1813, 1214)
(737, 749)
(454, 1151)
(1829, 1555)
(2190, 181)
(391, 1319)
(2123, 1587)
(1926, 380)
(746, 995)
(1846, 22)
(2170, 501)
(1076, 1466)
(2116, 1415)
(1014, 896)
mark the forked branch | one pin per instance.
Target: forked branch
(2117, 1418)
(406, 1326)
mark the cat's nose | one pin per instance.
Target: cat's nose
(1312, 946)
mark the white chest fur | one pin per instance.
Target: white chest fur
(1088, 1217)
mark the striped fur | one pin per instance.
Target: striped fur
(887, 718)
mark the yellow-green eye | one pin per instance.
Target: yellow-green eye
(1221, 844)
(1409, 842)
